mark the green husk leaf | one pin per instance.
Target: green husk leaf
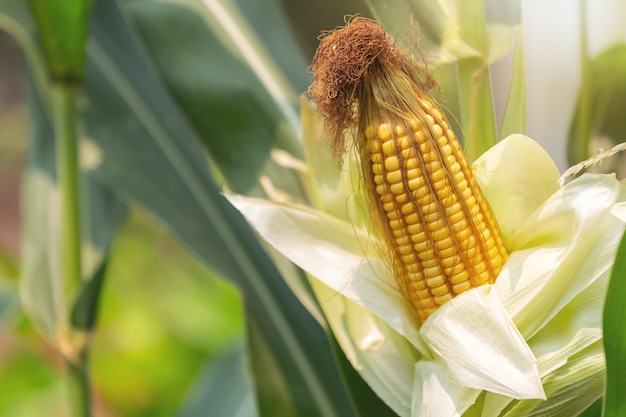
(615, 336)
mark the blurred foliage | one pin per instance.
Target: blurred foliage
(606, 106)
(163, 317)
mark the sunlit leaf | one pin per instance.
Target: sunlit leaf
(615, 337)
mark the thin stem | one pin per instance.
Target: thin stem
(68, 180)
(69, 188)
(79, 387)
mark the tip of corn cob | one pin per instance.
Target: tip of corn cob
(345, 58)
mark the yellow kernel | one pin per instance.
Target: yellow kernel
(456, 217)
(430, 120)
(399, 129)
(404, 142)
(396, 224)
(446, 253)
(437, 130)
(430, 262)
(438, 175)
(397, 188)
(429, 208)
(413, 124)
(389, 148)
(430, 218)
(405, 250)
(420, 192)
(403, 240)
(389, 206)
(379, 179)
(412, 219)
(394, 215)
(371, 133)
(461, 287)
(386, 198)
(431, 273)
(407, 208)
(480, 267)
(464, 234)
(414, 229)
(443, 140)
(418, 237)
(424, 294)
(394, 177)
(449, 261)
(426, 105)
(455, 167)
(415, 183)
(459, 277)
(437, 113)
(376, 157)
(392, 163)
(453, 208)
(411, 163)
(421, 246)
(402, 198)
(426, 254)
(444, 243)
(440, 290)
(413, 270)
(398, 232)
(384, 132)
(443, 299)
(381, 189)
(413, 173)
(408, 153)
(408, 259)
(460, 225)
(377, 168)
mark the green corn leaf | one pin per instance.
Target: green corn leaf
(227, 69)
(62, 28)
(146, 152)
(615, 337)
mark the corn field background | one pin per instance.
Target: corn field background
(178, 309)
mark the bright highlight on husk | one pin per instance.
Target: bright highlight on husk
(440, 235)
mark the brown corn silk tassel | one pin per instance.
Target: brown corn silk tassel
(440, 235)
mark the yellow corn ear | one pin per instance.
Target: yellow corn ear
(441, 231)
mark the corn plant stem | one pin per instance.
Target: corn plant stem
(476, 100)
(69, 187)
(79, 386)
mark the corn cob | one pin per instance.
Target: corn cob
(440, 236)
(443, 236)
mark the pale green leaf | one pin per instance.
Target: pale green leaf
(434, 395)
(520, 161)
(564, 246)
(515, 112)
(480, 346)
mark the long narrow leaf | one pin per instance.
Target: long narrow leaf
(615, 337)
(151, 156)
